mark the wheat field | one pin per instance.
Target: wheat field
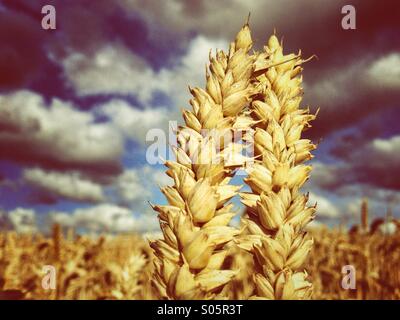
(121, 267)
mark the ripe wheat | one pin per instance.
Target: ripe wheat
(195, 223)
(277, 211)
(107, 268)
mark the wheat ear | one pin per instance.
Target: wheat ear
(57, 237)
(195, 221)
(277, 211)
(364, 216)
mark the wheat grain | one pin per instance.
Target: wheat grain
(195, 223)
(277, 212)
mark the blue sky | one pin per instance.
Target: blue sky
(76, 102)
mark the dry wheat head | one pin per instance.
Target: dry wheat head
(195, 222)
(277, 211)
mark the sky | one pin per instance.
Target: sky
(77, 102)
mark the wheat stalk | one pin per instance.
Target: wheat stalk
(195, 223)
(57, 237)
(364, 216)
(277, 212)
(91, 271)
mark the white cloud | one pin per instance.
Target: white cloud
(133, 123)
(100, 218)
(110, 69)
(106, 218)
(158, 176)
(62, 218)
(325, 208)
(333, 88)
(55, 133)
(388, 228)
(353, 208)
(153, 235)
(4, 221)
(118, 70)
(147, 223)
(69, 185)
(313, 225)
(130, 187)
(133, 188)
(387, 150)
(23, 220)
(385, 72)
(325, 175)
(380, 153)
(355, 82)
(136, 186)
(190, 70)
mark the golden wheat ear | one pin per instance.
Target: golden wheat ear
(277, 212)
(190, 256)
(364, 216)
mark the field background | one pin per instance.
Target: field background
(121, 267)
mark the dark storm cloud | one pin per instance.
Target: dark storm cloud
(20, 54)
(42, 197)
(86, 25)
(56, 136)
(313, 26)
(344, 145)
(378, 163)
(158, 30)
(26, 153)
(374, 164)
(341, 50)
(330, 177)
(318, 31)
(347, 97)
(343, 55)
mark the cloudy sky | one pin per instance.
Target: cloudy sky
(76, 102)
